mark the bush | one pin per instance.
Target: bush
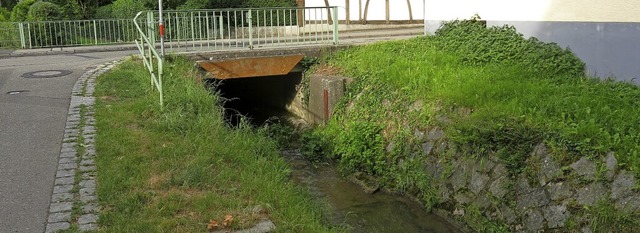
(480, 45)
(5, 15)
(104, 12)
(44, 11)
(126, 9)
(195, 4)
(21, 10)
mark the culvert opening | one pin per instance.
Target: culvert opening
(259, 99)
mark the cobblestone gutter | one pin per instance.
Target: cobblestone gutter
(74, 203)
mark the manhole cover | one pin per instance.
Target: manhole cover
(16, 92)
(47, 74)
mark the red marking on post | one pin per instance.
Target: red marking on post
(326, 106)
(161, 29)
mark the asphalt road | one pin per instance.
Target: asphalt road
(33, 114)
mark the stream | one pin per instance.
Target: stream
(359, 211)
(349, 205)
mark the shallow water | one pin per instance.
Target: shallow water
(359, 211)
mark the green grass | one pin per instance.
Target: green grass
(173, 170)
(513, 108)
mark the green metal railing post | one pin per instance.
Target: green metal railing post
(221, 26)
(23, 43)
(335, 25)
(250, 30)
(95, 32)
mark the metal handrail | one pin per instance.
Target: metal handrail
(148, 55)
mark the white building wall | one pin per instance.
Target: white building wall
(536, 10)
(398, 9)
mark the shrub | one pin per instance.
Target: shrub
(480, 45)
(126, 9)
(104, 12)
(44, 11)
(21, 10)
(5, 15)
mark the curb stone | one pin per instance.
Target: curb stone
(75, 180)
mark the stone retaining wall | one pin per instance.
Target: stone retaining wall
(547, 197)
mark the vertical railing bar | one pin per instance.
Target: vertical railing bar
(229, 27)
(250, 29)
(264, 28)
(207, 30)
(279, 26)
(242, 23)
(235, 27)
(193, 35)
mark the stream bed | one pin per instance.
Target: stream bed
(359, 211)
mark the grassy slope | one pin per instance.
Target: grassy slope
(174, 170)
(513, 108)
(492, 92)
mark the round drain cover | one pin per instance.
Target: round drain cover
(47, 74)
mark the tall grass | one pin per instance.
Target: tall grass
(176, 169)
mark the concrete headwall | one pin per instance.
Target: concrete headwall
(310, 102)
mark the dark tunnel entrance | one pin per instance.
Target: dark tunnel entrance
(259, 99)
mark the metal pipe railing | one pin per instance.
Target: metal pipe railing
(148, 53)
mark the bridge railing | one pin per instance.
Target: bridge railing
(220, 29)
(226, 29)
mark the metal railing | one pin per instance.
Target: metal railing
(146, 46)
(186, 30)
(231, 29)
(246, 28)
(47, 34)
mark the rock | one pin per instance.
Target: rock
(262, 227)
(444, 193)
(549, 170)
(462, 198)
(559, 191)
(427, 147)
(591, 194)
(458, 180)
(435, 134)
(418, 134)
(630, 204)
(434, 167)
(522, 186)
(482, 201)
(556, 216)
(485, 165)
(499, 170)
(458, 212)
(533, 221)
(611, 164)
(498, 188)
(368, 183)
(540, 150)
(623, 185)
(478, 182)
(390, 147)
(586, 229)
(507, 214)
(536, 198)
(584, 168)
